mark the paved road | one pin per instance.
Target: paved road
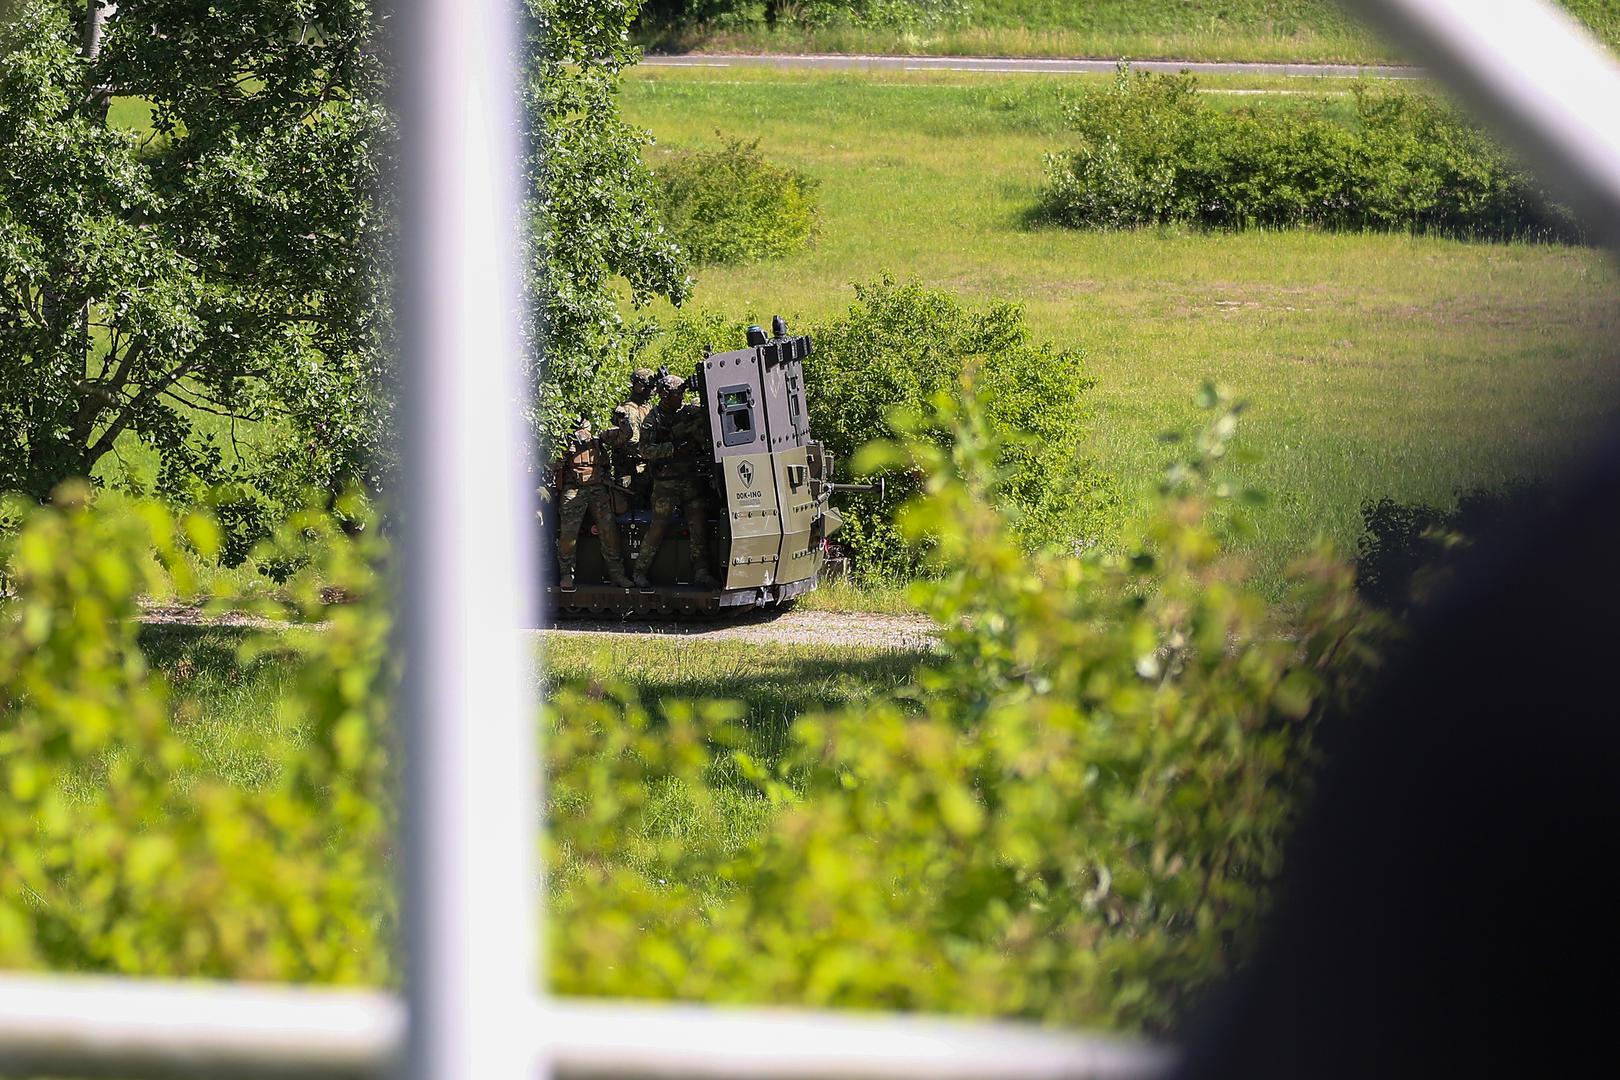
(1020, 66)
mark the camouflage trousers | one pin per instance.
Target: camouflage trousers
(571, 517)
(691, 495)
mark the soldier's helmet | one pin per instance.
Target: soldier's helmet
(672, 384)
(642, 378)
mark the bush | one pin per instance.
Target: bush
(1077, 815)
(732, 205)
(900, 346)
(1152, 150)
(687, 16)
(124, 851)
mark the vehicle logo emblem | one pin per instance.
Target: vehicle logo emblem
(745, 473)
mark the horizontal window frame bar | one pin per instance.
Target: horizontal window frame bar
(135, 1029)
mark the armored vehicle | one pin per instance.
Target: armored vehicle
(753, 470)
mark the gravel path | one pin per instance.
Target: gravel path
(793, 627)
(1019, 65)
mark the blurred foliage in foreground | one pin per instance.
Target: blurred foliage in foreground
(1074, 813)
(119, 851)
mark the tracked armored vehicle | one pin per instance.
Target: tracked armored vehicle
(768, 487)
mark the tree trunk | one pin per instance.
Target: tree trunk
(95, 21)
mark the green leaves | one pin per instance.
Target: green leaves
(593, 205)
(1076, 815)
(121, 849)
(1151, 150)
(731, 205)
(213, 288)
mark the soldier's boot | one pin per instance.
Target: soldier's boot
(613, 553)
(565, 574)
(616, 574)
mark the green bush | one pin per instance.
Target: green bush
(733, 205)
(1153, 150)
(893, 352)
(1409, 553)
(1077, 815)
(673, 18)
(121, 850)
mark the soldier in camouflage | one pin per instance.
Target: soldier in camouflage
(584, 486)
(672, 437)
(631, 473)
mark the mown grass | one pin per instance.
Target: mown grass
(1254, 30)
(1374, 364)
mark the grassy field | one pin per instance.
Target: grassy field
(1263, 30)
(1375, 364)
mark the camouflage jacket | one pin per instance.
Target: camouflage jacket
(676, 445)
(635, 414)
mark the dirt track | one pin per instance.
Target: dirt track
(782, 628)
(857, 628)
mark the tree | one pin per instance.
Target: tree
(214, 283)
(593, 202)
(226, 259)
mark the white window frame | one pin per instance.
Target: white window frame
(472, 793)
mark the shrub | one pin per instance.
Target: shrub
(123, 851)
(897, 348)
(732, 205)
(1152, 150)
(676, 17)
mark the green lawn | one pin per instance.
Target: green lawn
(1264, 30)
(1375, 364)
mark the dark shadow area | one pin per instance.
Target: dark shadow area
(192, 648)
(773, 683)
(1410, 552)
(1442, 912)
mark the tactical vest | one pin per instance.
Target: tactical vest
(583, 463)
